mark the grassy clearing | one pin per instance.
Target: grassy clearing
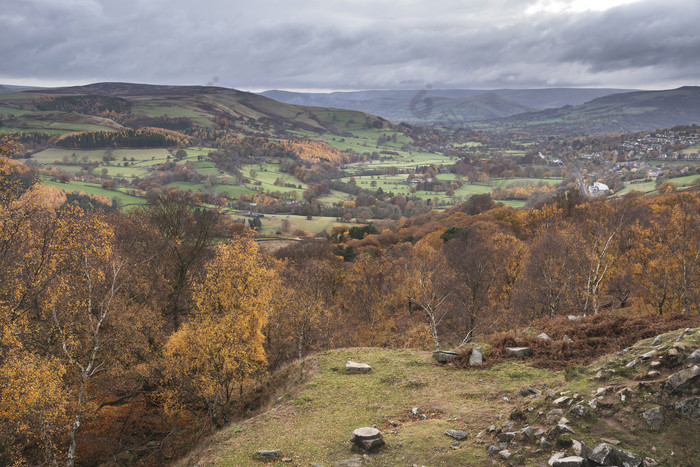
(313, 423)
(90, 188)
(272, 223)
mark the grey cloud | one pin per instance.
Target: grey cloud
(352, 44)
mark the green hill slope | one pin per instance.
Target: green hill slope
(312, 422)
(626, 112)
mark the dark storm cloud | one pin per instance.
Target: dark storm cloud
(353, 44)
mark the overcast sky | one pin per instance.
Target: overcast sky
(353, 44)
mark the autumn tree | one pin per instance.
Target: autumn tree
(221, 347)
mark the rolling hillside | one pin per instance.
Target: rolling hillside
(203, 105)
(626, 112)
(446, 105)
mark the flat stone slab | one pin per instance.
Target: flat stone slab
(683, 380)
(354, 367)
(367, 438)
(459, 435)
(477, 357)
(444, 356)
(520, 352)
(269, 453)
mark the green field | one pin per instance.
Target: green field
(125, 199)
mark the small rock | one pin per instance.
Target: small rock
(694, 357)
(579, 448)
(524, 392)
(443, 356)
(545, 443)
(631, 364)
(286, 459)
(527, 432)
(505, 454)
(354, 461)
(269, 453)
(520, 352)
(554, 415)
(567, 339)
(654, 417)
(543, 336)
(456, 434)
(570, 461)
(612, 441)
(605, 454)
(672, 352)
(649, 462)
(648, 355)
(415, 410)
(657, 341)
(354, 367)
(689, 407)
(560, 429)
(599, 375)
(556, 457)
(683, 380)
(506, 437)
(574, 317)
(491, 429)
(456, 446)
(655, 364)
(539, 432)
(593, 404)
(561, 400)
(477, 357)
(367, 438)
(423, 416)
(653, 374)
(492, 450)
(563, 421)
(601, 391)
(579, 410)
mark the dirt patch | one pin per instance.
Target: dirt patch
(590, 337)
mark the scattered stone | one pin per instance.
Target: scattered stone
(520, 352)
(545, 443)
(593, 404)
(563, 421)
(415, 410)
(655, 364)
(538, 432)
(491, 429)
(492, 450)
(270, 454)
(554, 415)
(367, 438)
(354, 461)
(533, 390)
(601, 391)
(543, 336)
(443, 356)
(657, 341)
(580, 448)
(567, 339)
(556, 457)
(570, 461)
(654, 418)
(393, 423)
(561, 400)
(649, 462)
(423, 416)
(614, 442)
(574, 317)
(683, 380)
(527, 432)
(689, 407)
(354, 367)
(579, 410)
(505, 399)
(648, 355)
(694, 357)
(672, 352)
(599, 374)
(524, 392)
(287, 459)
(505, 454)
(459, 435)
(605, 454)
(559, 430)
(631, 364)
(506, 436)
(477, 357)
(456, 446)
(653, 374)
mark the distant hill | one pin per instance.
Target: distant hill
(444, 105)
(204, 105)
(624, 112)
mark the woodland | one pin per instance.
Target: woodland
(145, 328)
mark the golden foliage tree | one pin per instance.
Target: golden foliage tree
(221, 346)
